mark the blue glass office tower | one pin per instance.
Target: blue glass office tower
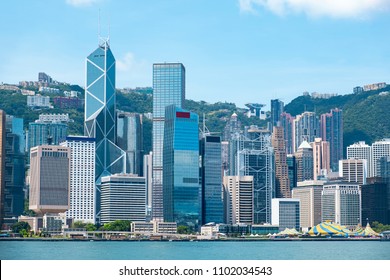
(211, 176)
(100, 119)
(15, 167)
(168, 89)
(181, 188)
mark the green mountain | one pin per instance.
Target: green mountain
(366, 115)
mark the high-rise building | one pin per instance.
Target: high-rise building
(306, 128)
(309, 194)
(238, 192)
(82, 193)
(50, 178)
(341, 203)
(211, 177)
(99, 115)
(232, 128)
(2, 163)
(379, 149)
(129, 139)
(15, 167)
(286, 213)
(361, 150)
(292, 171)
(332, 132)
(353, 170)
(46, 130)
(168, 89)
(287, 122)
(321, 158)
(282, 181)
(304, 162)
(277, 108)
(123, 198)
(255, 157)
(375, 201)
(181, 186)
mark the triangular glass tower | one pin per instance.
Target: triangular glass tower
(100, 114)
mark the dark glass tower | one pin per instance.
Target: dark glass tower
(181, 188)
(129, 139)
(100, 120)
(211, 176)
(168, 89)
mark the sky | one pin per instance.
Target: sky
(236, 51)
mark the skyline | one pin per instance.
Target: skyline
(236, 51)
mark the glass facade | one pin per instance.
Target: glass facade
(100, 119)
(332, 132)
(211, 174)
(168, 89)
(15, 167)
(181, 187)
(307, 128)
(256, 158)
(129, 139)
(41, 133)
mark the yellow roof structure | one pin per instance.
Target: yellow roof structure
(368, 231)
(329, 228)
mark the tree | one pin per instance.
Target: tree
(183, 229)
(21, 227)
(90, 227)
(78, 224)
(119, 225)
(378, 227)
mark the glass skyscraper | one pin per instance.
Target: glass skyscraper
(181, 188)
(129, 139)
(15, 167)
(168, 89)
(100, 119)
(211, 174)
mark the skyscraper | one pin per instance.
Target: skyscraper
(168, 89)
(15, 167)
(321, 158)
(304, 162)
(379, 149)
(307, 128)
(100, 119)
(286, 213)
(282, 181)
(341, 203)
(277, 108)
(129, 139)
(239, 199)
(123, 198)
(49, 185)
(309, 193)
(361, 150)
(181, 187)
(353, 170)
(48, 129)
(82, 193)
(332, 132)
(255, 157)
(287, 122)
(211, 176)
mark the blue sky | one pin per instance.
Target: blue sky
(233, 50)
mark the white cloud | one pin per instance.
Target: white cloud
(80, 3)
(132, 72)
(319, 8)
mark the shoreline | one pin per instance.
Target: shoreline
(194, 240)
